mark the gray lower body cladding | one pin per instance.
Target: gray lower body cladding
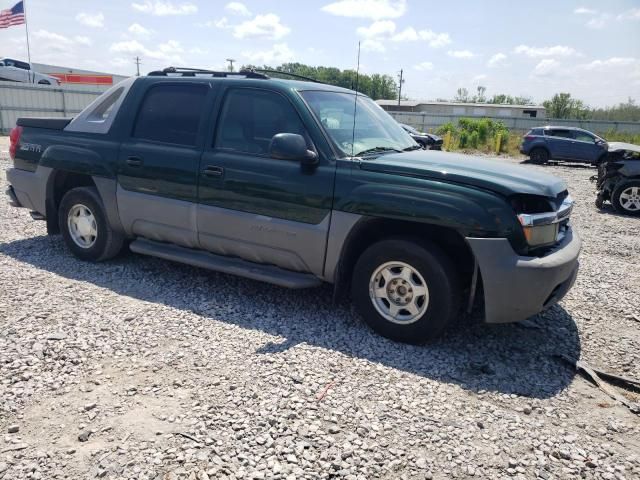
(30, 188)
(517, 287)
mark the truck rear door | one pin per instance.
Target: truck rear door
(158, 162)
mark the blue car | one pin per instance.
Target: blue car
(563, 143)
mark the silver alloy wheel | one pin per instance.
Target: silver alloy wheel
(82, 226)
(630, 199)
(399, 293)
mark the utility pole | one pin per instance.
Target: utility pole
(400, 86)
(231, 60)
(137, 59)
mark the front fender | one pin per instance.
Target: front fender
(469, 210)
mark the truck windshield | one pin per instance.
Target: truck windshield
(375, 130)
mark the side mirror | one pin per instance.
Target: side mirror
(291, 146)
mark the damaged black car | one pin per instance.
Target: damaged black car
(618, 179)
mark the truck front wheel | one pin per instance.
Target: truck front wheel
(406, 289)
(85, 228)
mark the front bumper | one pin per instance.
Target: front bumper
(518, 287)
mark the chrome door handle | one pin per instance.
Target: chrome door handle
(134, 161)
(213, 171)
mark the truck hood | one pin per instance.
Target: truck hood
(499, 177)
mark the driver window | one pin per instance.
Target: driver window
(250, 118)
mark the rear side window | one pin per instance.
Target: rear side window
(559, 133)
(171, 114)
(102, 111)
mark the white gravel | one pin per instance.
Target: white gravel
(268, 383)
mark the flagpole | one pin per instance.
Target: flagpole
(26, 26)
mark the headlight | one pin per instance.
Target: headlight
(537, 230)
(542, 224)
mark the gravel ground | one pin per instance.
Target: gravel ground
(140, 368)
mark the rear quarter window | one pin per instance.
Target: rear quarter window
(171, 114)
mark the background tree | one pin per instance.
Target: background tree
(562, 105)
(376, 86)
(462, 95)
(481, 91)
(503, 99)
(628, 111)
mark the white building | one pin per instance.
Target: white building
(464, 109)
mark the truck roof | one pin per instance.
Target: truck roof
(257, 77)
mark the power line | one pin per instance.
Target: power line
(137, 59)
(231, 60)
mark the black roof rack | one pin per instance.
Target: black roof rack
(192, 72)
(252, 73)
(294, 75)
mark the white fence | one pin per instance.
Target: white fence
(21, 100)
(424, 121)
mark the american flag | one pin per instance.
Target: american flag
(12, 16)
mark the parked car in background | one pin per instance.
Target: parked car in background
(618, 179)
(563, 143)
(428, 141)
(17, 71)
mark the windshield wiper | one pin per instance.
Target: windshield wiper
(412, 147)
(377, 150)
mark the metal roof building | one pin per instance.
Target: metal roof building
(464, 109)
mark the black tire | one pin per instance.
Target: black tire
(619, 203)
(439, 274)
(107, 242)
(539, 155)
(599, 202)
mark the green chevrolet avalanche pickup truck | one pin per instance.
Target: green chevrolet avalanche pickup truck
(297, 183)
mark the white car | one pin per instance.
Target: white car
(17, 71)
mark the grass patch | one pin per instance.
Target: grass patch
(471, 135)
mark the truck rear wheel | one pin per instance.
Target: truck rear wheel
(405, 289)
(85, 228)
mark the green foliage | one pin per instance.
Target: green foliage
(562, 105)
(477, 134)
(628, 111)
(615, 136)
(503, 99)
(376, 86)
(474, 139)
(446, 127)
(463, 141)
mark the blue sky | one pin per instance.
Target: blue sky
(589, 48)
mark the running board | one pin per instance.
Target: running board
(219, 263)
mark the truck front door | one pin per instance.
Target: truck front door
(262, 209)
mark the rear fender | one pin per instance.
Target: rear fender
(77, 160)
